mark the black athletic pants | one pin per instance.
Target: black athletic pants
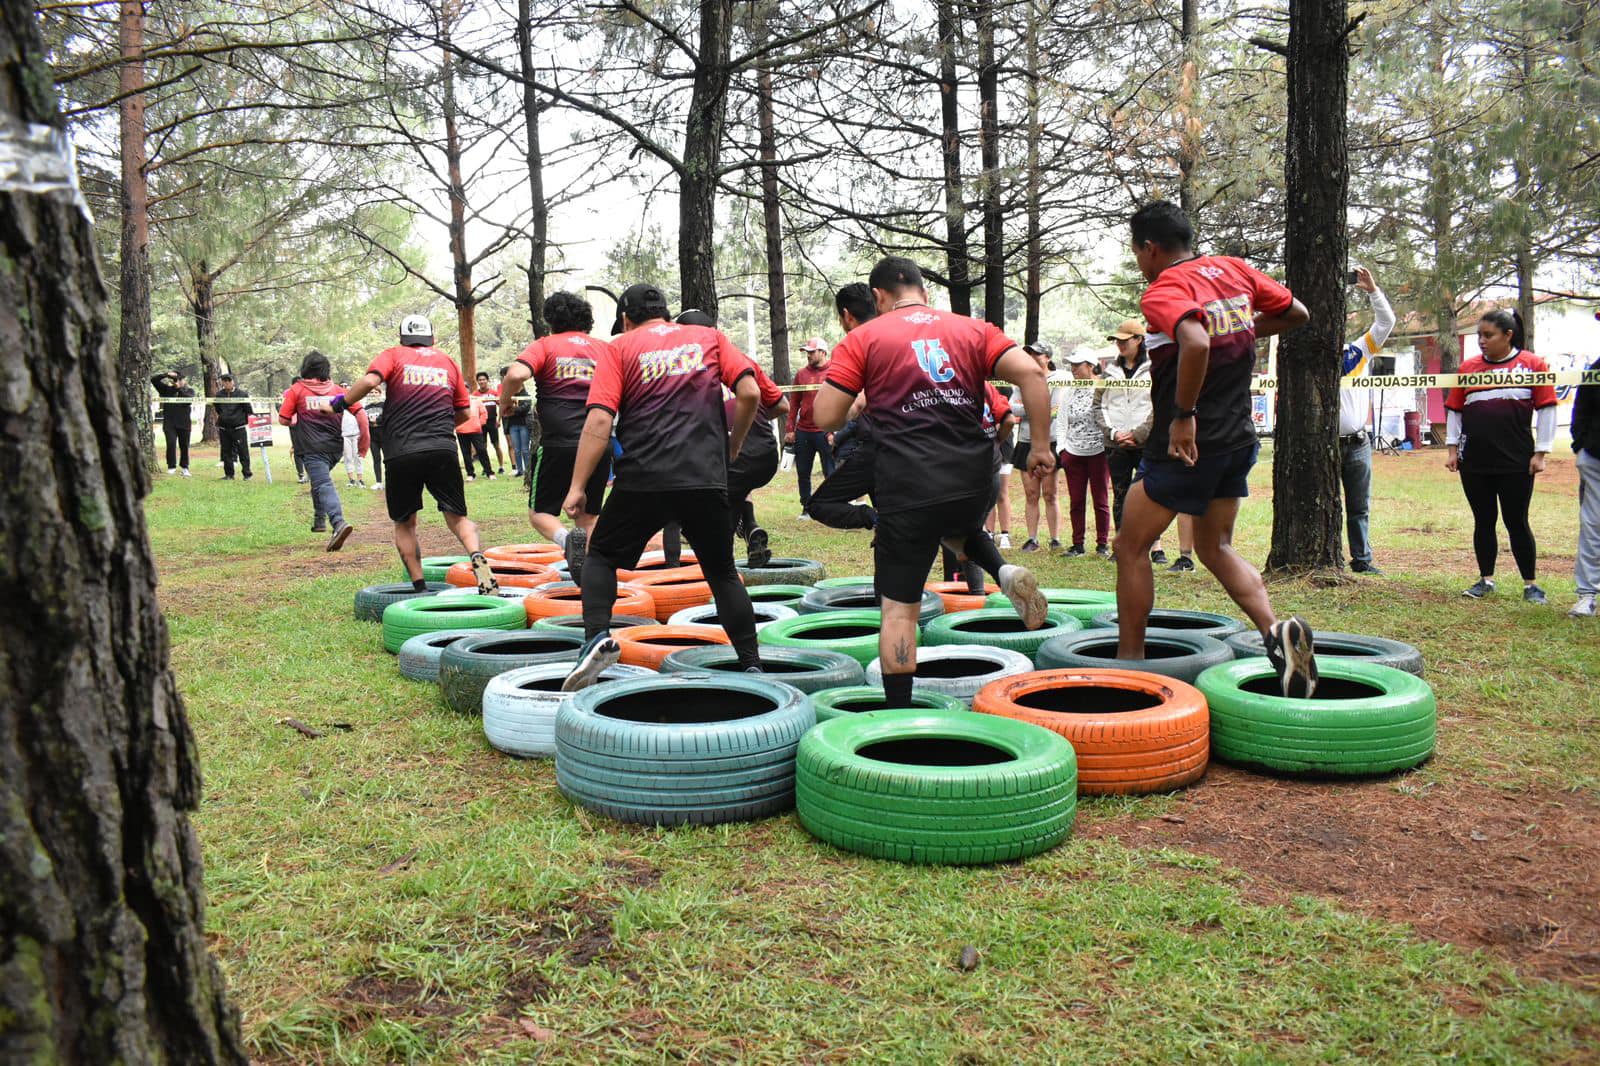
(1122, 463)
(852, 479)
(472, 444)
(979, 550)
(375, 450)
(746, 475)
(235, 446)
(177, 444)
(1509, 494)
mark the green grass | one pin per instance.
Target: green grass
(398, 892)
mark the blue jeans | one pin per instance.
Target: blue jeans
(324, 498)
(519, 436)
(808, 443)
(1356, 472)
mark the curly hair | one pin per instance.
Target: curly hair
(567, 312)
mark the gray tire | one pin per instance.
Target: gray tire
(371, 600)
(504, 592)
(419, 656)
(784, 571)
(1379, 650)
(804, 669)
(1200, 623)
(573, 623)
(1171, 653)
(682, 750)
(467, 665)
(863, 597)
(706, 615)
(958, 670)
(519, 706)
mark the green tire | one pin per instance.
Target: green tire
(855, 699)
(434, 567)
(998, 627)
(840, 582)
(863, 597)
(371, 601)
(783, 571)
(936, 788)
(1082, 604)
(1365, 719)
(786, 595)
(1203, 623)
(853, 632)
(410, 618)
(466, 666)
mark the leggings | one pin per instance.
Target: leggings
(1510, 494)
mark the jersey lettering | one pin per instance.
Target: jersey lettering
(1225, 317)
(933, 359)
(573, 369)
(436, 376)
(671, 362)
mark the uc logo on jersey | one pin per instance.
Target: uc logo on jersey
(934, 360)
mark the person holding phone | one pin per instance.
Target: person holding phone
(1355, 413)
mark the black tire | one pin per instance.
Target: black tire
(805, 669)
(573, 623)
(869, 699)
(682, 750)
(957, 670)
(1171, 653)
(419, 656)
(1201, 623)
(1379, 650)
(863, 597)
(408, 618)
(467, 665)
(784, 571)
(936, 788)
(371, 600)
(999, 627)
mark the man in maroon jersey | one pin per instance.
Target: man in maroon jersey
(664, 382)
(924, 372)
(425, 399)
(808, 439)
(561, 367)
(1204, 314)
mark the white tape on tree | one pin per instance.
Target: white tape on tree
(40, 160)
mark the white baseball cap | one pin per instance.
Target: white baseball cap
(416, 326)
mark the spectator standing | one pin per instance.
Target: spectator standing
(355, 449)
(1491, 446)
(1355, 414)
(489, 401)
(1081, 435)
(808, 440)
(1128, 415)
(374, 409)
(233, 427)
(315, 424)
(469, 436)
(176, 400)
(1040, 490)
(1586, 449)
(518, 432)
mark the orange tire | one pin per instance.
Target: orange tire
(519, 574)
(551, 603)
(673, 590)
(957, 598)
(655, 561)
(1133, 732)
(648, 645)
(521, 553)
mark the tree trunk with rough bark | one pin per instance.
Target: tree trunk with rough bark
(772, 224)
(1033, 281)
(540, 243)
(202, 306)
(994, 234)
(133, 340)
(1307, 518)
(957, 265)
(102, 949)
(702, 156)
(1188, 121)
(465, 304)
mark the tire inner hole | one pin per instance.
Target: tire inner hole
(993, 625)
(671, 708)
(935, 751)
(680, 642)
(858, 599)
(834, 632)
(1162, 620)
(526, 646)
(1088, 699)
(443, 605)
(954, 667)
(1329, 688)
(1153, 649)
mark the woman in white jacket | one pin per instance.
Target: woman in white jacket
(1128, 415)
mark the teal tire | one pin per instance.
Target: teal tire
(410, 618)
(998, 627)
(419, 656)
(1082, 604)
(682, 750)
(1169, 653)
(1379, 650)
(936, 788)
(1365, 719)
(1203, 623)
(862, 597)
(807, 669)
(862, 699)
(783, 571)
(854, 633)
(371, 601)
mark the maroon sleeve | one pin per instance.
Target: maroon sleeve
(458, 388)
(995, 344)
(846, 370)
(290, 400)
(1270, 297)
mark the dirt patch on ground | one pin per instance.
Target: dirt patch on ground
(1514, 873)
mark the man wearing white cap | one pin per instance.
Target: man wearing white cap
(802, 431)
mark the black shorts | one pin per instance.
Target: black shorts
(907, 542)
(552, 480)
(1190, 489)
(406, 476)
(630, 518)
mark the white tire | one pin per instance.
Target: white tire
(505, 592)
(519, 706)
(706, 615)
(966, 669)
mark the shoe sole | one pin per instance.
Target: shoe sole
(1029, 602)
(488, 584)
(577, 550)
(760, 554)
(601, 657)
(340, 535)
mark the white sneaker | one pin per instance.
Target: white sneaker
(172, 470)
(1584, 608)
(376, 485)
(1005, 540)
(185, 472)
(804, 517)
(1022, 589)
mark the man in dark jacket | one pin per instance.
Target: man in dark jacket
(233, 420)
(176, 396)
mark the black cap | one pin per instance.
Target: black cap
(693, 316)
(226, 377)
(640, 303)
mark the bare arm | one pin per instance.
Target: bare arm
(510, 385)
(1019, 368)
(592, 445)
(368, 382)
(831, 407)
(1270, 325)
(746, 398)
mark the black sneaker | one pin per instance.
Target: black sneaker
(1484, 587)
(1359, 567)
(598, 656)
(1158, 557)
(576, 551)
(1055, 546)
(319, 525)
(341, 533)
(1533, 594)
(1182, 565)
(1103, 550)
(1290, 646)
(1030, 545)
(488, 585)
(1074, 552)
(760, 553)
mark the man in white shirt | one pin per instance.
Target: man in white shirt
(1355, 414)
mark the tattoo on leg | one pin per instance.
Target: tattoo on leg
(903, 651)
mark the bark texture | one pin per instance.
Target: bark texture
(994, 235)
(1033, 279)
(102, 952)
(540, 242)
(772, 224)
(702, 157)
(461, 267)
(957, 266)
(203, 307)
(133, 341)
(1307, 517)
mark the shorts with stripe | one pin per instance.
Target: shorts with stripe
(552, 478)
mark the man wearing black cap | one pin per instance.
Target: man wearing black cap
(233, 420)
(664, 382)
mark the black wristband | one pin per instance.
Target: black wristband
(1181, 413)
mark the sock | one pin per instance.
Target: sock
(897, 690)
(981, 550)
(420, 584)
(560, 539)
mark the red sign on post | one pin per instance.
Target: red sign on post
(260, 430)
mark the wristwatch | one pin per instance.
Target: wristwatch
(1182, 413)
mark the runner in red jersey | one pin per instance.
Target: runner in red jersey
(924, 372)
(1204, 314)
(308, 409)
(561, 367)
(425, 399)
(660, 385)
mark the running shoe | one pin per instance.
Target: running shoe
(1103, 550)
(1073, 552)
(1030, 545)
(577, 550)
(1584, 608)
(760, 554)
(341, 533)
(598, 656)
(1055, 545)
(804, 517)
(174, 471)
(185, 472)
(1022, 589)
(319, 525)
(1484, 587)
(487, 584)
(1005, 539)
(377, 486)
(471, 478)
(1290, 646)
(1183, 565)
(1534, 594)
(1359, 567)
(1158, 557)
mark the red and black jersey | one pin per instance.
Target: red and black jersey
(800, 418)
(424, 391)
(924, 373)
(664, 382)
(1224, 294)
(315, 428)
(760, 442)
(563, 368)
(1497, 417)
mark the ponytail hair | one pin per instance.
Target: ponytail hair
(1507, 320)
